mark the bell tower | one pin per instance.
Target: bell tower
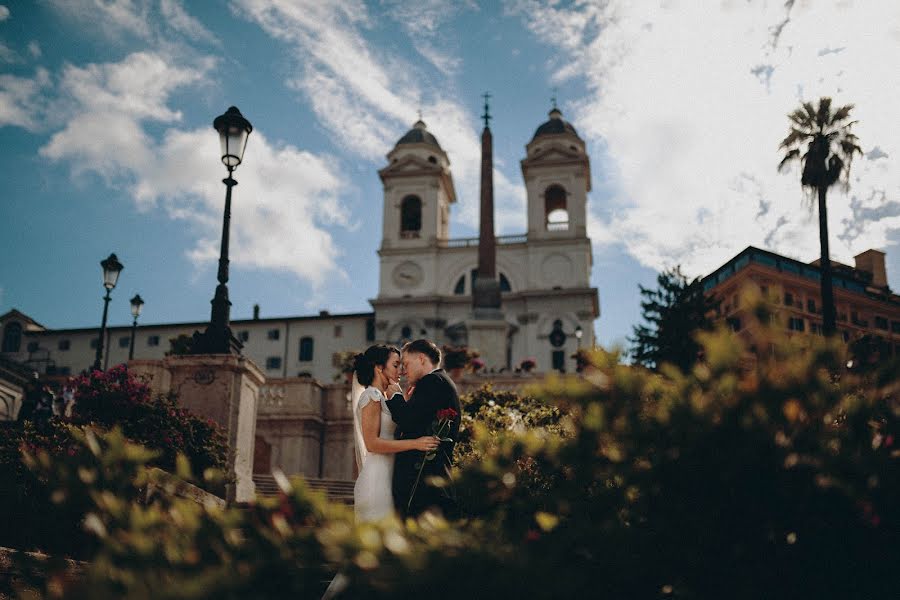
(557, 175)
(418, 191)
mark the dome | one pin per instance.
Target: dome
(555, 125)
(419, 134)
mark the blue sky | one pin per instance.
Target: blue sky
(106, 112)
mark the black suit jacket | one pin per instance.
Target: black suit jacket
(414, 419)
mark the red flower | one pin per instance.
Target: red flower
(446, 414)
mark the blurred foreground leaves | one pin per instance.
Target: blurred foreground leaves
(767, 474)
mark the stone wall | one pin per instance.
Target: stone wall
(304, 427)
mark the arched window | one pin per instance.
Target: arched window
(306, 349)
(410, 216)
(12, 337)
(460, 288)
(555, 212)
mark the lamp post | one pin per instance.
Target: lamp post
(578, 333)
(233, 130)
(136, 304)
(111, 269)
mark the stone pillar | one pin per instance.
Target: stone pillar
(225, 388)
(153, 372)
(490, 337)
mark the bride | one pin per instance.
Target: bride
(378, 368)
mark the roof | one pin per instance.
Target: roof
(555, 126)
(18, 315)
(419, 134)
(843, 276)
(234, 323)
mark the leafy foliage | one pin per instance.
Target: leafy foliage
(114, 397)
(675, 311)
(828, 140)
(458, 357)
(103, 399)
(743, 477)
(180, 345)
(830, 146)
(344, 361)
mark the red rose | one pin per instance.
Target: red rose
(446, 414)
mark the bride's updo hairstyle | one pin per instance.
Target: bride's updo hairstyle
(364, 364)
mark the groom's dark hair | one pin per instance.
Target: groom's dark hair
(424, 347)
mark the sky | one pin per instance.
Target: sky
(106, 110)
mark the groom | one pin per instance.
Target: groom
(430, 390)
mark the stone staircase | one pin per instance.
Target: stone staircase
(337, 490)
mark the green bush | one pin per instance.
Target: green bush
(102, 400)
(768, 477)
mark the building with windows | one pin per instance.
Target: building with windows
(281, 347)
(426, 278)
(864, 303)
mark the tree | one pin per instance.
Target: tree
(830, 146)
(675, 312)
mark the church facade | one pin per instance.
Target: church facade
(426, 278)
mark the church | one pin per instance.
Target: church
(510, 297)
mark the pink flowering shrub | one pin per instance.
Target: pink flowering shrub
(115, 397)
(103, 400)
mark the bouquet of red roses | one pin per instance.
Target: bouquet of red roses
(442, 421)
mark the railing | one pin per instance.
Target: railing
(502, 240)
(559, 226)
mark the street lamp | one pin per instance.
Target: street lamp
(233, 130)
(136, 304)
(578, 333)
(111, 269)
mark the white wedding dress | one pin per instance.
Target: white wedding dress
(372, 496)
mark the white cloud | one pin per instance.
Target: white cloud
(286, 197)
(425, 22)
(112, 17)
(4, 13)
(369, 98)
(34, 49)
(21, 100)
(179, 19)
(8, 55)
(445, 62)
(140, 18)
(691, 103)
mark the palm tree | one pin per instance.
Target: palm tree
(830, 146)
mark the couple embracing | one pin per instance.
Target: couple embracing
(397, 449)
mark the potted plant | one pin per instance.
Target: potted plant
(457, 359)
(476, 364)
(527, 365)
(343, 362)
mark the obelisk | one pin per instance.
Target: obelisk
(487, 330)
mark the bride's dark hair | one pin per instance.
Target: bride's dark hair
(364, 364)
